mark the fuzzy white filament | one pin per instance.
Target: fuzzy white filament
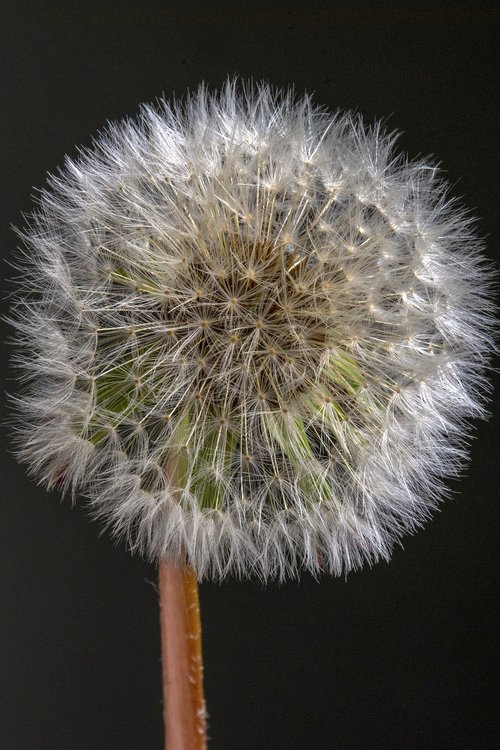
(252, 335)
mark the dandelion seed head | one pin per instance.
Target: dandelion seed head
(251, 335)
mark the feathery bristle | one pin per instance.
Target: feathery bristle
(252, 336)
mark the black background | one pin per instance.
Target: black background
(399, 656)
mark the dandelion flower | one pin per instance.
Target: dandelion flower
(252, 335)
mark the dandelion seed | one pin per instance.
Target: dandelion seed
(264, 295)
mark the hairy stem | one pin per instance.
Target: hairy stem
(183, 698)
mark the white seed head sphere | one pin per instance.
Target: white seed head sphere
(251, 335)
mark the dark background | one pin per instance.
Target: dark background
(400, 656)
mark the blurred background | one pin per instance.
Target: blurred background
(399, 656)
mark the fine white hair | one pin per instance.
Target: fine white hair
(251, 334)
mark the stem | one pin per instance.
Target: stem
(183, 699)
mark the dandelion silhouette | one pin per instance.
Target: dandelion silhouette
(253, 335)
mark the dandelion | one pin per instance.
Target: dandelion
(266, 297)
(252, 335)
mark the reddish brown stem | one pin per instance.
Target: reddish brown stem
(183, 698)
